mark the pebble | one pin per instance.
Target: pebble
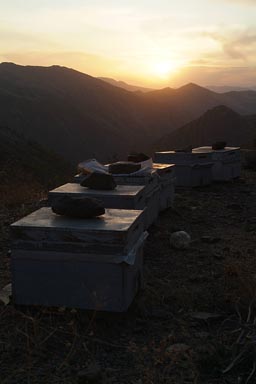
(180, 240)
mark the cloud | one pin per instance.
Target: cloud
(237, 45)
(12, 37)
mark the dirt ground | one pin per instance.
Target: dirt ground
(194, 321)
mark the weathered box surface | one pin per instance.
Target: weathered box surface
(226, 162)
(122, 197)
(151, 191)
(191, 170)
(149, 180)
(178, 158)
(193, 175)
(91, 264)
(113, 232)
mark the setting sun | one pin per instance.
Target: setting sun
(163, 69)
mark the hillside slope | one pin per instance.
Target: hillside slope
(25, 162)
(74, 114)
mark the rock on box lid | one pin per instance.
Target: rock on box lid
(115, 231)
(122, 197)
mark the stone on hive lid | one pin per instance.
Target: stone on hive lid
(100, 181)
(124, 167)
(219, 145)
(138, 157)
(83, 208)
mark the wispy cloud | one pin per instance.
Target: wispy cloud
(13, 37)
(236, 44)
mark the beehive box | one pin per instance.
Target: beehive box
(82, 263)
(167, 180)
(193, 175)
(122, 197)
(191, 169)
(226, 162)
(152, 191)
(150, 181)
(173, 157)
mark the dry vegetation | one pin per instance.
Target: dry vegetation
(194, 322)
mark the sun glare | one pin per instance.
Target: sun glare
(163, 69)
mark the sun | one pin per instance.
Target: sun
(163, 69)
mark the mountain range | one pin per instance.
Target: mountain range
(137, 88)
(124, 85)
(79, 116)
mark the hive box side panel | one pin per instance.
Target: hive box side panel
(152, 211)
(77, 284)
(179, 158)
(223, 171)
(167, 195)
(193, 176)
(120, 230)
(123, 197)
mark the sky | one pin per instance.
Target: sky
(154, 43)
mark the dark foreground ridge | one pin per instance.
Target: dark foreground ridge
(182, 327)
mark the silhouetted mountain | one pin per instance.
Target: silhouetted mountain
(175, 107)
(228, 88)
(182, 105)
(24, 161)
(74, 114)
(218, 124)
(124, 85)
(79, 116)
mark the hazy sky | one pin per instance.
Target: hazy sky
(147, 42)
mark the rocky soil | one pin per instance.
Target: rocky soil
(194, 321)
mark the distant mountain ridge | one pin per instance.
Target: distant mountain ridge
(228, 88)
(218, 124)
(214, 88)
(124, 85)
(79, 116)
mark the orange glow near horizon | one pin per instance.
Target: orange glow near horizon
(164, 69)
